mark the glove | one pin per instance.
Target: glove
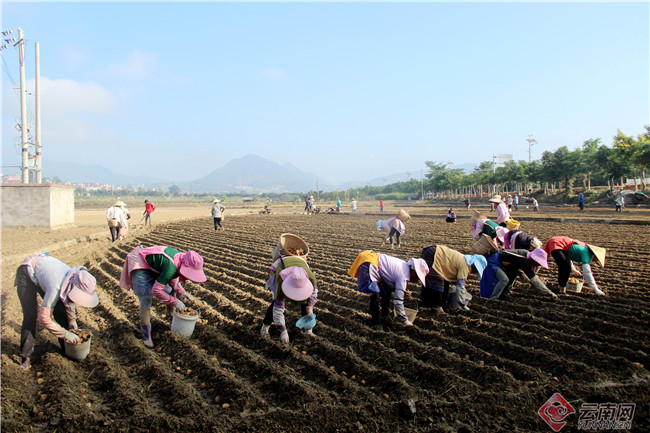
(71, 337)
(73, 325)
(179, 305)
(168, 289)
(284, 337)
(186, 297)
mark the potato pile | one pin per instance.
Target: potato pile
(187, 311)
(296, 252)
(82, 333)
(574, 280)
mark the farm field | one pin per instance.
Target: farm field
(486, 370)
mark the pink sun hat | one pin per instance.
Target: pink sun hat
(539, 256)
(79, 286)
(191, 267)
(296, 284)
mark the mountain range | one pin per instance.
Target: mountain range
(249, 174)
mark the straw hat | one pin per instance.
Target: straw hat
(216, 200)
(512, 224)
(496, 199)
(599, 253)
(403, 215)
(536, 243)
(296, 284)
(475, 217)
(119, 203)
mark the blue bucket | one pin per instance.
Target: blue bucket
(306, 323)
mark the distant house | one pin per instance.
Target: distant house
(247, 199)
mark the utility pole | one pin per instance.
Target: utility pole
(494, 163)
(530, 141)
(37, 138)
(422, 181)
(23, 109)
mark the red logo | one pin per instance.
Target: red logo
(555, 410)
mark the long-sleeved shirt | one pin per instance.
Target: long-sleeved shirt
(115, 212)
(217, 209)
(49, 274)
(450, 264)
(503, 214)
(396, 274)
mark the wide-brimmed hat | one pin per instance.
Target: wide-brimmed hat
(79, 286)
(539, 256)
(536, 243)
(475, 217)
(216, 200)
(478, 261)
(420, 267)
(599, 253)
(119, 203)
(496, 199)
(296, 284)
(191, 267)
(512, 224)
(403, 215)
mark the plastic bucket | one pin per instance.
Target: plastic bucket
(485, 246)
(305, 323)
(183, 323)
(574, 287)
(411, 313)
(78, 351)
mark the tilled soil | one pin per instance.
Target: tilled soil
(489, 369)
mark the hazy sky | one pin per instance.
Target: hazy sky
(349, 91)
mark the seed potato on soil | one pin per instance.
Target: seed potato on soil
(487, 370)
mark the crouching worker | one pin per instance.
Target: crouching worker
(158, 271)
(482, 225)
(448, 266)
(565, 251)
(290, 280)
(451, 216)
(503, 268)
(54, 281)
(380, 276)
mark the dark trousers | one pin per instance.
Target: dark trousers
(268, 317)
(563, 267)
(436, 290)
(394, 233)
(581, 206)
(27, 291)
(380, 305)
(217, 222)
(115, 232)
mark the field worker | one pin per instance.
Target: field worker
(395, 227)
(338, 204)
(516, 201)
(354, 206)
(381, 275)
(581, 201)
(115, 218)
(480, 224)
(158, 271)
(503, 268)
(620, 203)
(517, 239)
(451, 216)
(217, 213)
(565, 251)
(290, 280)
(381, 206)
(448, 266)
(535, 205)
(148, 210)
(124, 227)
(503, 214)
(509, 202)
(468, 204)
(54, 281)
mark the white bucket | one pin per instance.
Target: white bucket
(574, 287)
(184, 324)
(78, 351)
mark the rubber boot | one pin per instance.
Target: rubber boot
(145, 326)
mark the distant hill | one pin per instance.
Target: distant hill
(254, 174)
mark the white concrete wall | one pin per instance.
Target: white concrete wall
(50, 206)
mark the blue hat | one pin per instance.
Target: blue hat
(478, 261)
